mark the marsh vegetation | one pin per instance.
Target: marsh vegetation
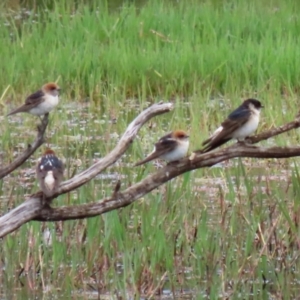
(228, 231)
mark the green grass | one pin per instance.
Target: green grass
(157, 49)
(207, 233)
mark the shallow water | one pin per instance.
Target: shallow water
(224, 198)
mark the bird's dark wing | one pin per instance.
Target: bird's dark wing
(164, 145)
(35, 98)
(50, 163)
(213, 143)
(239, 113)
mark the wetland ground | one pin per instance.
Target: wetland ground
(228, 232)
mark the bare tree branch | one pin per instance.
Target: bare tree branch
(32, 209)
(20, 215)
(118, 151)
(29, 151)
(275, 131)
(153, 181)
(34, 203)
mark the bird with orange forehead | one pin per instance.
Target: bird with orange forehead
(49, 173)
(171, 147)
(41, 102)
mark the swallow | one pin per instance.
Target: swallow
(41, 102)
(171, 147)
(241, 123)
(49, 172)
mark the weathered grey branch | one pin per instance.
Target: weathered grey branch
(118, 151)
(29, 151)
(35, 211)
(15, 218)
(161, 176)
(20, 215)
(275, 131)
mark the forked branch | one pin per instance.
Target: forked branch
(31, 208)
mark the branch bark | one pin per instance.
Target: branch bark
(118, 151)
(276, 131)
(29, 151)
(32, 209)
(160, 177)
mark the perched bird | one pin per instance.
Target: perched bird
(171, 147)
(241, 123)
(40, 102)
(49, 172)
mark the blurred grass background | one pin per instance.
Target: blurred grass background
(230, 231)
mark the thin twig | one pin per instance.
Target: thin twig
(29, 151)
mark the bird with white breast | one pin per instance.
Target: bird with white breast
(241, 123)
(49, 173)
(41, 102)
(171, 147)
